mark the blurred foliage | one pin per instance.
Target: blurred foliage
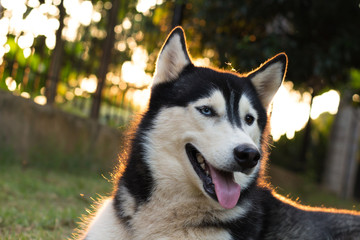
(355, 78)
(320, 37)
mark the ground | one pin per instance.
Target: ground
(43, 204)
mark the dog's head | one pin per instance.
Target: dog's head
(208, 125)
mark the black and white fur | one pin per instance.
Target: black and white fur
(200, 119)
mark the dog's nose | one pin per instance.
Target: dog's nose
(246, 156)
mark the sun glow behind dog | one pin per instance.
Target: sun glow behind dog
(291, 108)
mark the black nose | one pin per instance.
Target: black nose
(246, 156)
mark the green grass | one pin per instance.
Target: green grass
(298, 188)
(312, 195)
(43, 204)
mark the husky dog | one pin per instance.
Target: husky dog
(195, 167)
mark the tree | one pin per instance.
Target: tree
(56, 60)
(321, 48)
(178, 14)
(105, 59)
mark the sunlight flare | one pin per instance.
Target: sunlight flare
(326, 102)
(291, 109)
(144, 6)
(133, 72)
(141, 98)
(80, 13)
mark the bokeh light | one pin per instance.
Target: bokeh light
(144, 6)
(89, 84)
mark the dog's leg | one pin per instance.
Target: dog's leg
(344, 226)
(106, 225)
(289, 220)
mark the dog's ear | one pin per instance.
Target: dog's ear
(173, 57)
(268, 78)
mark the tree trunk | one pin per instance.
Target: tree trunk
(105, 59)
(178, 13)
(306, 141)
(341, 161)
(56, 59)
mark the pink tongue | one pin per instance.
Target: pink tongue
(227, 191)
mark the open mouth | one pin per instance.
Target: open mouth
(218, 184)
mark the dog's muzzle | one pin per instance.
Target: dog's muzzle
(220, 184)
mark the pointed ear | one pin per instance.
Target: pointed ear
(268, 78)
(173, 57)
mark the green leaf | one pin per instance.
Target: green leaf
(355, 78)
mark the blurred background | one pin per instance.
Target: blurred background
(74, 73)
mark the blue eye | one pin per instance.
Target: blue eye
(206, 110)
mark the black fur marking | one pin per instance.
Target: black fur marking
(118, 206)
(251, 225)
(236, 110)
(232, 113)
(137, 177)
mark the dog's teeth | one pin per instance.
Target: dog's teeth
(199, 158)
(207, 172)
(202, 165)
